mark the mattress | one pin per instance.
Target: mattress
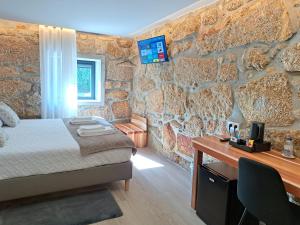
(44, 146)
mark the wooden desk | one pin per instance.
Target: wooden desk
(289, 169)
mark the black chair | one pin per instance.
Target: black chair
(261, 191)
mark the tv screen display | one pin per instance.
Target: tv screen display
(153, 50)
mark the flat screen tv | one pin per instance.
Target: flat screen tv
(153, 50)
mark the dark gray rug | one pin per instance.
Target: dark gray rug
(81, 209)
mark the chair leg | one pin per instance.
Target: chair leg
(243, 217)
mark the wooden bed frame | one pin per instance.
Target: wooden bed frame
(22, 187)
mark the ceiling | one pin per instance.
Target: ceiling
(113, 17)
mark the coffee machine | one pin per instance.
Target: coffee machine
(255, 142)
(257, 132)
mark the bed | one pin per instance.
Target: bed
(43, 156)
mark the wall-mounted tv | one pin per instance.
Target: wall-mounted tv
(153, 50)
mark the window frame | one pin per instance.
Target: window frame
(99, 80)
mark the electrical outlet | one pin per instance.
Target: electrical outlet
(232, 124)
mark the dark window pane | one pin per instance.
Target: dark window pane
(86, 79)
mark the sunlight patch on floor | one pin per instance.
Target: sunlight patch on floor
(143, 163)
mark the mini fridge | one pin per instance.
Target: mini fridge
(217, 202)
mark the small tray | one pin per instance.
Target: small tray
(257, 147)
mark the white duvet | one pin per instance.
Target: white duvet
(45, 146)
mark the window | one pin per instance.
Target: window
(90, 81)
(86, 79)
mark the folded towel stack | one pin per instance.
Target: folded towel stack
(82, 120)
(95, 130)
(98, 127)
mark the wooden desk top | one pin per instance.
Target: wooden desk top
(289, 169)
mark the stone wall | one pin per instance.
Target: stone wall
(19, 67)
(235, 54)
(119, 74)
(20, 75)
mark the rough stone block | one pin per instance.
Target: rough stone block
(268, 99)
(115, 52)
(264, 21)
(185, 27)
(169, 137)
(211, 126)
(32, 69)
(124, 43)
(175, 124)
(117, 85)
(14, 50)
(175, 99)
(193, 127)
(154, 119)
(153, 70)
(119, 71)
(179, 47)
(14, 88)
(101, 45)
(185, 145)
(155, 101)
(140, 70)
(145, 84)
(121, 110)
(213, 102)
(87, 45)
(228, 72)
(8, 71)
(167, 72)
(154, 142)
(33, 105)
(156, 131)
(117, 95)
(256, 58)
(231, 5)
(194, 71)
(210, 17)
(291, 58)
(138, 106)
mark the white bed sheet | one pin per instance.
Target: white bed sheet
(45, 146)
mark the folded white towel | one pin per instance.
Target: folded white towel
(96, 130)
(92, 127)
(90, 133)
(82, 120)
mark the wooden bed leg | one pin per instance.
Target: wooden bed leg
(127, 185)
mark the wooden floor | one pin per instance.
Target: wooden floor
(157, 196)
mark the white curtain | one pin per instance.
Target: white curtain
(58, 64)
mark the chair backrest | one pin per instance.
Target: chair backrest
(261, 191)
(139, 121)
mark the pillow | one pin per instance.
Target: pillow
(8, 116)
(3, 137)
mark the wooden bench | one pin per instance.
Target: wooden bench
(136, 130)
